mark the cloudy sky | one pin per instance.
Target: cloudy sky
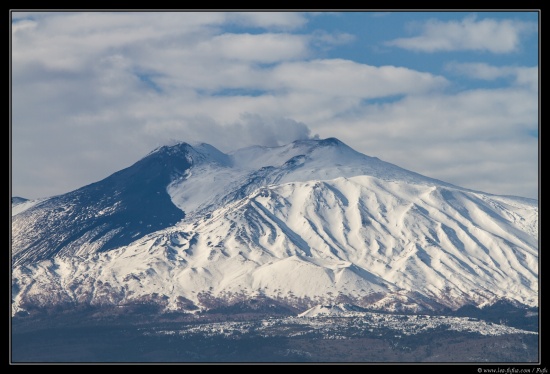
(453, 95)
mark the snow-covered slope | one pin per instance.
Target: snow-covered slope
(103, 215)
(19, 205)
(333, 310)
(312, 222)
(245, 170)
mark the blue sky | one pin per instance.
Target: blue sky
(451, 95)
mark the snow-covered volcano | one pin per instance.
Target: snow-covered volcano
(312, 222)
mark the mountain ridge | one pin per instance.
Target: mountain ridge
(307, 223)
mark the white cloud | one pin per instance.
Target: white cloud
(106, 88)
(326, 40)
(496, 36)
(281, 20)
(249, 129)
(481, 70)
(473, 138)
(22, 26)
(337, 77)
(528, 77)
(523, 76)
(263, 48)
